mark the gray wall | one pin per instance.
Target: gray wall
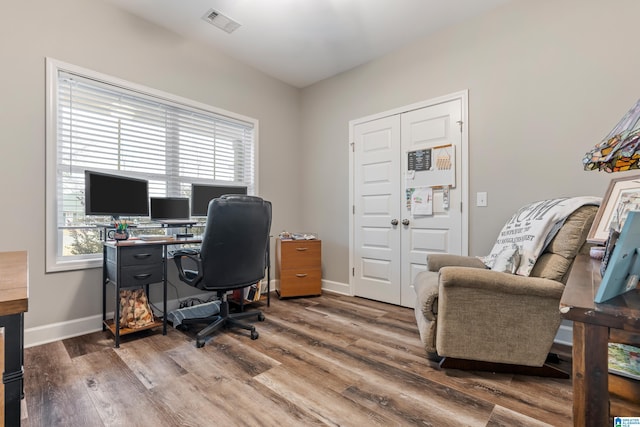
(547, 80)
(95, 35)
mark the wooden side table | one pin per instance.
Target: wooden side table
(14, 299)
(594, 325)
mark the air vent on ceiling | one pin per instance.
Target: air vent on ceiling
(221, 21)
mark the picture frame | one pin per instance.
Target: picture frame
(622, 196)
(623, 269)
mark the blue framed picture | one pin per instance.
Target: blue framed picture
(623, 268)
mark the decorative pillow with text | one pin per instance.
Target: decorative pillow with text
(531, 229)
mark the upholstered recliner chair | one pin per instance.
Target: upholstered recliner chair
(473, 317)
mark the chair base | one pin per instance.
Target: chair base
(434, 357)
(225, 320)
(476, 365)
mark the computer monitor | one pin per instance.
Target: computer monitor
(169, 208)
(202, 194)
(115, 195)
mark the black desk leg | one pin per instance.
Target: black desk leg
(13, 375)
(116, 319)
(104, 286)
(165, 261)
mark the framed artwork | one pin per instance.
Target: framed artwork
(622, 197)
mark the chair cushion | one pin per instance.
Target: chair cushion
(554, 263)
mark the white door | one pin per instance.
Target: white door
(390, 241)
(376, 195)
(436, 128)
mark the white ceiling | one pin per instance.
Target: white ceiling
(304, 41)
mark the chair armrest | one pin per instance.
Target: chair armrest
(190, 277)
(436, 261)
(185, 252)
(501, 283)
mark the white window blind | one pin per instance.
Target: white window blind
(106, 126)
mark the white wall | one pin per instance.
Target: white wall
(95, 35)
(547, 80)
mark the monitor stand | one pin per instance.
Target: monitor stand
(186, 232)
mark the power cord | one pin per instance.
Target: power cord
(190, 302)
(157, 310)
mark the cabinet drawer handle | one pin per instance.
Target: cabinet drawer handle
(301, 275)
(142, 276)
(301, 249)
(141, 256)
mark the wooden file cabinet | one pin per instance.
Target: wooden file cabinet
(298, 267)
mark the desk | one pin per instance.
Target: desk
(14, 301)
(593, 325)
(133, 263)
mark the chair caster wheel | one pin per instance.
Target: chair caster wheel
(199, 343)
(254, 335)
(261, 317)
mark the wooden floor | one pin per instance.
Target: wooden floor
(324, 361)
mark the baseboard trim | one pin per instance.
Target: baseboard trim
(564, 335)
(336, 287)
(62, 330)
(72, 328)
(327, 285)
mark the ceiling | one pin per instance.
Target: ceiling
(304, 41)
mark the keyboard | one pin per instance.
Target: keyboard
(152, 237)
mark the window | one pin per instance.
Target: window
(108, 125)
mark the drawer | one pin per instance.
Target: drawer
(140, 275)
(300, 254)
(300, 282)
(136, 255)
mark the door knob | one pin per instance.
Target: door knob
(394, 222)
(405, 222)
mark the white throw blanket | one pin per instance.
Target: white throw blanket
(533, 227)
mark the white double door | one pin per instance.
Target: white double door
(390, 242)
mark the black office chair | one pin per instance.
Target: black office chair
(233, 255)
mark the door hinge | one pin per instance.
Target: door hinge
(353, 147)
(459, 122)
(353, 209)
(353, 271)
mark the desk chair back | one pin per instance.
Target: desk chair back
(234, 243)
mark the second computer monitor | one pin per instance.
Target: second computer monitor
(201, 195)
(169, 208)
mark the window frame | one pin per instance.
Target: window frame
(54, 263)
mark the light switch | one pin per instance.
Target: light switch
(481, 199)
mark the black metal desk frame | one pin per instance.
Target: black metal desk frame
(14, 302)
(164, 243)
